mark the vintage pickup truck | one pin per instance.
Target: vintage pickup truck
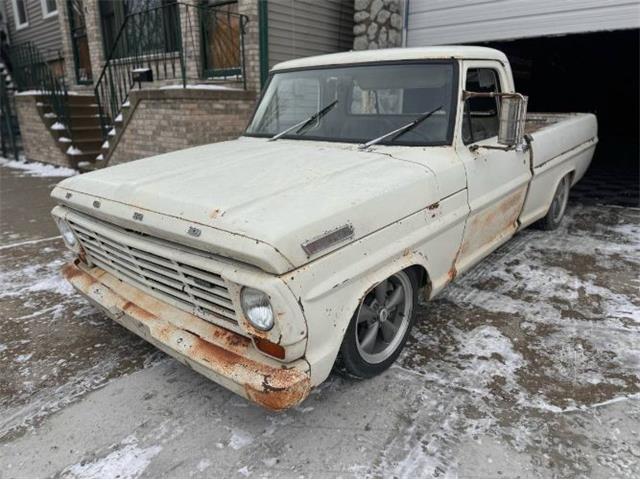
(362, 180)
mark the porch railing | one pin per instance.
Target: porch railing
(9, 131)
(30, 71)
(176, 42)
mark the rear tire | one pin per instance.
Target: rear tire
(380, 327)
(558, 207)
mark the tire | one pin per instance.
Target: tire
(558, 207)
(377, 334)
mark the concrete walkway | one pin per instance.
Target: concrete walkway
(528, 366)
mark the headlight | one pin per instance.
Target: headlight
(257, 308)
(67, 234)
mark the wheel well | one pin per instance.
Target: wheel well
(571, 174)
(423, 278)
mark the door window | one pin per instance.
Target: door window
(480, 119)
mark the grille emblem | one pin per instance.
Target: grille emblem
(96, 203)
(68, 195)
(138, 216)
(194, 232)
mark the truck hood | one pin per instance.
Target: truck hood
(283, 194)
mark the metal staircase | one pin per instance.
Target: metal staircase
(176, 42)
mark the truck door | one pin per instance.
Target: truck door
(497, 180)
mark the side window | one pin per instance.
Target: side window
(480, 119)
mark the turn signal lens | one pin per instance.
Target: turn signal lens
(270, 348)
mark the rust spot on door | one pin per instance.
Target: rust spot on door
(495, 221)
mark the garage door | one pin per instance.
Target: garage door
(438, 22)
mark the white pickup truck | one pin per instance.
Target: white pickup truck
(363, 179)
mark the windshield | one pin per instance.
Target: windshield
(372, 100)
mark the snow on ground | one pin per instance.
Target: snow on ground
(527, 366)
(128, 460)
(547, 325)
(57, 347)
(37, 169)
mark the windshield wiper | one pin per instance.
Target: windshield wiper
(402, 130)
(300, 126)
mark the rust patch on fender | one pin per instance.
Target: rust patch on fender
(453, 272)
(215, 213)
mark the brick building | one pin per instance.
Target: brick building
(133, 78)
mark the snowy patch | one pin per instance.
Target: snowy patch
(36, 169)
(58, 126)
(200, 86)
(29, 92)
(105, 144)
(240, 439)
(100, 157)
(118, 118)
(24, 357)
(127, 461)
(203, 465)
(112, 132)
(73, 150)
(50, 115)
(64, 140)
(126, 104)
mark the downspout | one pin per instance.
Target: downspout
(405, 23)
(263, 28)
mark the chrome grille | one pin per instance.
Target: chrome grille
(197, 291)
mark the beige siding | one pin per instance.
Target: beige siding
(438, 22)
(301, 28)
(42, 32)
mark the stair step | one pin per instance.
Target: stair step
(81, 100)
(82, 133)
(83, 157)
(84, 121)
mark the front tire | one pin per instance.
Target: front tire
(380, 326)
(556, 212)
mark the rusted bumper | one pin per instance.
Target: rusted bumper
(219, 354)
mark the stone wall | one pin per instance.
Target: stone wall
(161, 121)
(37, 141)
(377, 24)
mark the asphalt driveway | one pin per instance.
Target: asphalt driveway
(528, 366)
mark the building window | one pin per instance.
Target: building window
(49, 8)
(20, 14)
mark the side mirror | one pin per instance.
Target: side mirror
(513, 113)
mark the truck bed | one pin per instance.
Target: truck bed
(554, 134)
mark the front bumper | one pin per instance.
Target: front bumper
(225, 357)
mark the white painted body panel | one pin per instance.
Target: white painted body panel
(441, 209)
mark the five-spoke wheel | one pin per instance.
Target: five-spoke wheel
(380, 326)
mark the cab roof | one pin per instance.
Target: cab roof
(395, 54)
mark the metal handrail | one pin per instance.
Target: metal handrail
(8, 125)
(30, 71)
(159, 40)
